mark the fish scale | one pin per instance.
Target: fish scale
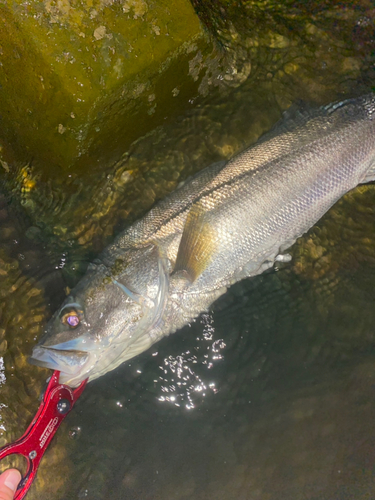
(229, 222)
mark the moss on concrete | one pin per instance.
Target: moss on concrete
(80, 78)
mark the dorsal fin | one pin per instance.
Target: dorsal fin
(294, 117)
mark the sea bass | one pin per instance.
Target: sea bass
(229, 222)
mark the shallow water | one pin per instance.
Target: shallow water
(271, 394)
(290, 414)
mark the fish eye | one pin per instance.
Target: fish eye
(70, 316)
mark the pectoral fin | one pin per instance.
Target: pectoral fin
(370, 175)
(198, 243)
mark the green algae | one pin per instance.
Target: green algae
(79, 75)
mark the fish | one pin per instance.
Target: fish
(231, 221)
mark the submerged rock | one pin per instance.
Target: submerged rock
(83, 80)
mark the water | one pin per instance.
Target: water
(271, 394)
(291, 415)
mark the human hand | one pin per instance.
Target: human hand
(8, 483)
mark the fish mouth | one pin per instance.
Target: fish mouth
(69, 363)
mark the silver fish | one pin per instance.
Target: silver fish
(229, 222)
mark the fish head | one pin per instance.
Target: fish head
(102, 323)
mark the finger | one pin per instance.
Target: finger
(8, 483)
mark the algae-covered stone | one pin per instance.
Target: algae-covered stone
(81, 80)
(302, 49)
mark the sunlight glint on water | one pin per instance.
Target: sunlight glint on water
(180, 384)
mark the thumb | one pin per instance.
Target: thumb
(8, 483)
